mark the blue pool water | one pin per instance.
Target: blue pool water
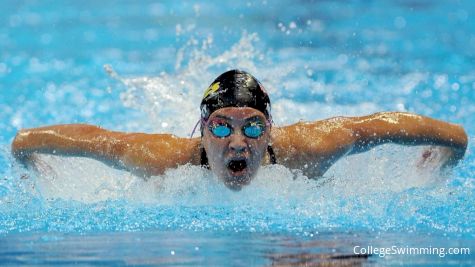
(142, 67)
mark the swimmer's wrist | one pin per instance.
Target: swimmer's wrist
(456, 155)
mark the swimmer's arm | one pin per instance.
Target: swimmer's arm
(312, 147)
(144, 154)
(407, 129)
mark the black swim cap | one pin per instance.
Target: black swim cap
(235, 88)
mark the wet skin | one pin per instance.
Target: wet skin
(311, 147)
(222, 152)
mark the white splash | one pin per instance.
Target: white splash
(171, 101)
(377, 171)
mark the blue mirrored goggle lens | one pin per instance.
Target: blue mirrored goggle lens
(253, 130)
(220, 130)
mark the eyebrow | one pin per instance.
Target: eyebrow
(253, 118)
(223, 117)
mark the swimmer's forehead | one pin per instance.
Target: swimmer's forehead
(238, 114)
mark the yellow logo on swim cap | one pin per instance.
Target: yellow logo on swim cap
(211, 89)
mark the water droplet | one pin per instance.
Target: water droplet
(455, 86)
(3, 68)
(400, 22)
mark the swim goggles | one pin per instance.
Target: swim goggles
(252, 129)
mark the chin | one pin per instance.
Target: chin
(237, 182)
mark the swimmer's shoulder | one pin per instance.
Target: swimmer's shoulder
(152, 154)
(168, 145)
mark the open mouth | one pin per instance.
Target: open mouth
(237, 165)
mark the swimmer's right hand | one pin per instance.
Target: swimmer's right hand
(25, 159)
(30, 160)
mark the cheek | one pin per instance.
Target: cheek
(259, 147)
(264, 141)
(213, 147)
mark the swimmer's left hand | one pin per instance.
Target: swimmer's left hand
(438, 157)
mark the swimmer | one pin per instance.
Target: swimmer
(237, 137)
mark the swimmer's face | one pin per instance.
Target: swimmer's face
(235, 158)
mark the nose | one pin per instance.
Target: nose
(238, 143)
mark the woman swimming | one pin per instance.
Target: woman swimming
(237, 137)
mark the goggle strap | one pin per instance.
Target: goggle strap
(194, 128)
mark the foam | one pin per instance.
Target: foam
(88, 181)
